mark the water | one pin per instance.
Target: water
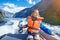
(11, 26)
(55, 29)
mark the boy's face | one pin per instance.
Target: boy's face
(34, 14)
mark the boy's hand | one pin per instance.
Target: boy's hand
(23, 26)
(41, 17)
(52, 34)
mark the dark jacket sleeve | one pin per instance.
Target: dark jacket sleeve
(26, 25)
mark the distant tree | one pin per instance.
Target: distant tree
(1, 16)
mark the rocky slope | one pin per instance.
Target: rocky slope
(50, 10)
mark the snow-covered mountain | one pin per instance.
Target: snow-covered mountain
(23, 14)
(7, 14)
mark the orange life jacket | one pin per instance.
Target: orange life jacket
(33, 26)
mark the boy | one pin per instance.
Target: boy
(34, 26)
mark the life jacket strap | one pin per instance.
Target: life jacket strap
(33, 28)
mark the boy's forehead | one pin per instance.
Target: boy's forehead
(36, 10)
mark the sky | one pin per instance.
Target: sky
(14, 6)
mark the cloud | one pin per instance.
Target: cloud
(12, 7)
(34, 2)
(31, 2)
(9, 4)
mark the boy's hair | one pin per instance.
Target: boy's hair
(36, 11)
